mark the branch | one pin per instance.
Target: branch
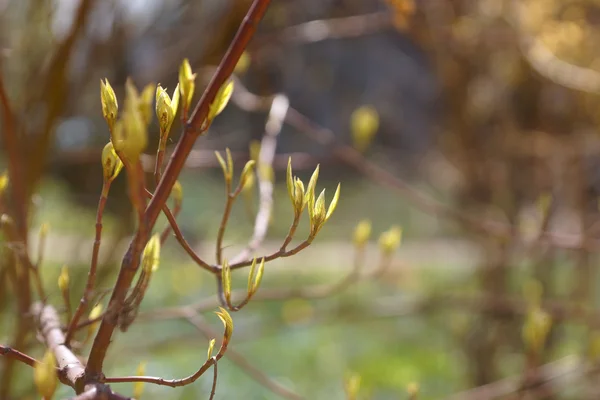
(17, 355)
(181, 239)
(192, 130)
(89, 286)
(184, 381)
(71, 369)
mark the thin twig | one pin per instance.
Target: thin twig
(91, 280)
(230, 199)
(181, 239)
(176, 382)
(213, 390)
(17, 355)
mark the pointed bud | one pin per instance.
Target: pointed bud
(166, 108)
(389, 240)
(3, 182)
(246, 172)
(221, 100)
(227, 174)
(254, 150)
(364, 123)
(63, 279)
(177, 194)
(320, 212)
(45, 376)
(130, 134)
(290, 181)
(243, 63)
(333, 204)
(226, 278)
(138, 387)
(110, 106)
(536, 329)
(186, 83)
(95, 313)
(255, 276)
(151, 254)
(145, 104)
(111, 163)
(298, 196)
(211, 346)
(362, 232)
(248, 184)
(352, 386)
(310, 192)
(227, 322)
(413, 390)
(259, 275)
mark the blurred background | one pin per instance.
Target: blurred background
(470, 124)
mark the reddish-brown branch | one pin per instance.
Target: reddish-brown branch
(91, 280)
(224, 219)
(166, 382)
(192, 130)
(167, 230)
(17, 355)
(181, 239)
(278, 254)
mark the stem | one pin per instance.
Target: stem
(192, 130)
(165, 233)
(179, 236)
(17, 355)
(292, 231)
(67, 300)
(160, 155)
(89, 287)
(213, 390)
(224, 220)
(278, 254)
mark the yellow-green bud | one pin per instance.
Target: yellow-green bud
(364, 123)
(111, 163)
(390, 240)
(110, 106)
(362, 233)
(187, 83)
(45, 376)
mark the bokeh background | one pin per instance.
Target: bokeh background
(485, 152)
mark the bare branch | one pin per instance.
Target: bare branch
(17, 355)
(91, 280)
